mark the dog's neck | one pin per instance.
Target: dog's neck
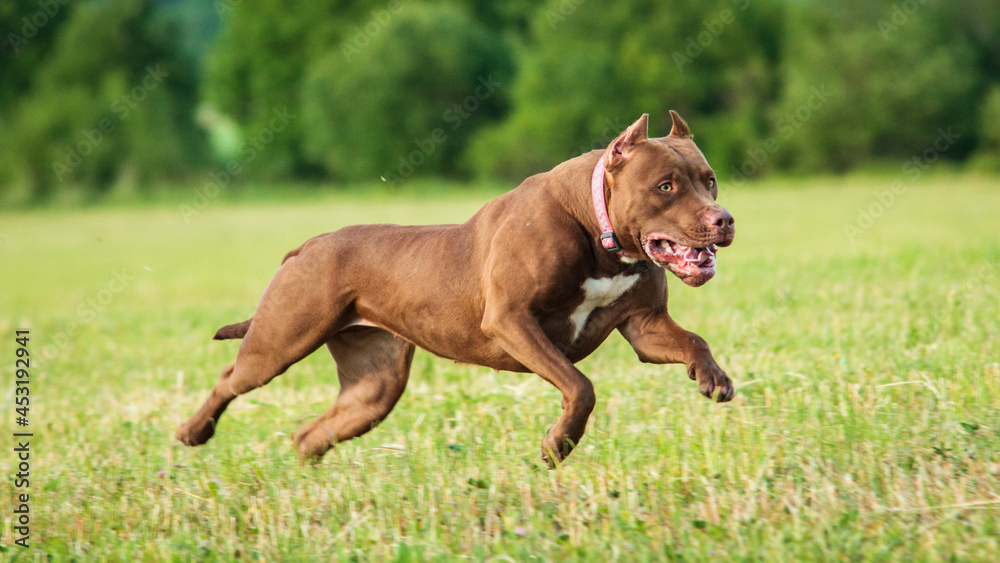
(574, 179)
(600, 202)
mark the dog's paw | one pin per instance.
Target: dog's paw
(311, 443)
(551, 455)
(712, 381)
(554, 452)
(550, 461)
(191, 435)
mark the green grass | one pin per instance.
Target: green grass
(866, 423)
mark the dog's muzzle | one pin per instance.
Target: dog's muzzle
(694, 266)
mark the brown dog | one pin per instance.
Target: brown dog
(533, 282)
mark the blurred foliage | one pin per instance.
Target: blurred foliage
(111, 101)
(27, 30)
(394, 89)
(258, 64)
(893, 85)
(987, 158)
(575, 93)
(389, 103)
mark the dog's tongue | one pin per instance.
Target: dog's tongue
(695, 255)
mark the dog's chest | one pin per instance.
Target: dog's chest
(597, 293)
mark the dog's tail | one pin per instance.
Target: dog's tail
(228, 332)
(239, 330)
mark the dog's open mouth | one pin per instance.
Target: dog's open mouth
(694, 266)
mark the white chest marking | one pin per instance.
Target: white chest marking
(599, 293)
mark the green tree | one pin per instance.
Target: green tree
(26, 32)
(394, 102)
(590, 69)
(259, 61)
(111, 102)
(987, 157)
(894, 84)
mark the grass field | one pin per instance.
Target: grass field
(866, 424)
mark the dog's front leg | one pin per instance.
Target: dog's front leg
(657, 339)
(518, 332)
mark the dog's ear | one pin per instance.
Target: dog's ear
(679, 129)
(620, 149)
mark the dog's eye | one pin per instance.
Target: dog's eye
(665, 187)
(711, 183)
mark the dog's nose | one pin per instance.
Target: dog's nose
(720, 218)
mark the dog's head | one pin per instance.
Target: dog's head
(662, 201)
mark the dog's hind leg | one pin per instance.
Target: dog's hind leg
(296, 316)
(261, 358)
(373, 367)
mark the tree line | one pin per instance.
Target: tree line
(98, 94)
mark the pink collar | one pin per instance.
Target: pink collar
(608, 239)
